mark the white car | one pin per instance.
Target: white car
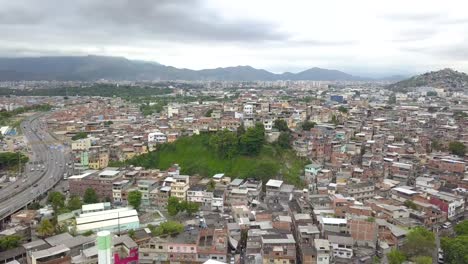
(440, 258)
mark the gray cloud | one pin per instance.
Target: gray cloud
(147, 20)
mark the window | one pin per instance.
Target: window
(160, 247)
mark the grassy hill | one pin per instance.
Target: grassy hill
(195, 156)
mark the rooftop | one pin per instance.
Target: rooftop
(274, 183)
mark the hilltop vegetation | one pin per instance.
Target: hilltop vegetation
(104, 90)
(446, 78)
(201, 155)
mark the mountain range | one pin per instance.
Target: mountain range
(446, 78)
(91, 68)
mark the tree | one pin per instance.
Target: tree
(462, 228)
(431, 93)
(45, 228)
(10, 160)
(57, 200)
(80, 135)
(410, 204)
(392, 99)
(457, 148)
(343, 109)
(173, 206)
(88, 233)
(225, 143)
(240, 130)
(134, 199)
(131, 233)
(419, 242)
(191, 208)
(208, 113)
(34, 206)
(395, 257)
(334, 120)
(284, 140)
(281, 125)
(307, 125)
(90, 196)
(74, 203)
(423, 260)
(375, 260)
(9, 242)
(455, 249)
(167, 228)
(211, 185)
(176, 206)
(252, 141)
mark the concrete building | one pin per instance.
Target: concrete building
(115, 220)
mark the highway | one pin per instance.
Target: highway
(46, 167)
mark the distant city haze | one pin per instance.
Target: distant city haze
(362, 38)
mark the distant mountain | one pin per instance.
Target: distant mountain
(447, 78)
(394, 78)
(322, 74)
(90, 68)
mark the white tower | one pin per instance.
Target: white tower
(104, 244)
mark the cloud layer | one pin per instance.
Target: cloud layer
(290, 35)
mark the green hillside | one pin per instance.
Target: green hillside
(196, 156)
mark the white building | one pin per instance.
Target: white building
(322, 246)
(115, 220)
(248, 109)
(157, 137)
(95, 207)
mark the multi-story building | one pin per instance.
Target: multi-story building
(101, 182)
(212, 244)
(363, 230)
(360, 191)
(453, 205)
(278, 248)
(183, 247)
(447, 164)
(323, 249)
(154, 251)
(119, 191)
(159, 196)
(217, 200)
(276, 189)
(180, 186)
(145, 187)
(196, 194)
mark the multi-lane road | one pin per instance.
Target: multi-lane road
(47, 165)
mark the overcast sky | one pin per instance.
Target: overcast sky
(357, 36)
